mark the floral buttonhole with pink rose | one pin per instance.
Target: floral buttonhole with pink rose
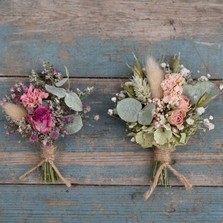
(44, 110)
(163, 106)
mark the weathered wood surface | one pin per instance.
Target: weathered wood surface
(102, 154)
(96, 38)
(88, 204)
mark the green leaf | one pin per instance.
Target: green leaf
(129, 89)
(196, 91)
(145, 116)
(162, 136)
(59, 92)
(128, 109)
(183, 138)
(61, 82)
(144, 139)
(75, 126)
(73, 101)
(175, 64)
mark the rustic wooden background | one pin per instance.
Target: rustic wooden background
(95, 39)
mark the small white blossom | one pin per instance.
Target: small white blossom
(110, 111)
(114, 99)
(96, 117)
(181, 127)
(208, 76)
(221, 87)
(208, 124)
(163, 65)
(200, 110)
(132, 139)
(185, 72)
(190, 121)
(202, 78)
(211, 117)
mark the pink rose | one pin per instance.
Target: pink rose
(33, 97)
(176, 117)
(184, 103)
(41, 119)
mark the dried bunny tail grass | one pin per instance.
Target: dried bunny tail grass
(15, 112)
(155, 76)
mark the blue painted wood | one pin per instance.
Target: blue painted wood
(101, 153)
(55, 204)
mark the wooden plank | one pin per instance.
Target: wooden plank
(55, 204)
(96, 39)
(102, 154)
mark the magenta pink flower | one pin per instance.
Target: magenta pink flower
(176, 117)
(33, 97)
(41, 119)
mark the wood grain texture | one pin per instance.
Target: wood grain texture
(109, 205)
(96, 38)
(102, 154)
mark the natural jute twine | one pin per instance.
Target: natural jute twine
(48, 154)
(164, 156)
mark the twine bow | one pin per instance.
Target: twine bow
(48, 154)
(164, 156)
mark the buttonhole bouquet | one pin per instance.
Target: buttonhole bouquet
(44, 110)
(163, 106)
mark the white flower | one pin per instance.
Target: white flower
(211, 117)
(221, 87)
(202, 78)
(163, 65)
(110, 111)
(200, 110)
(208, 125)
(190, 121)
(184, 72)
(96, 117)
(208, 76)
(114, 99)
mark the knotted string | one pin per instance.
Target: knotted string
(48, 154)
(164, 156)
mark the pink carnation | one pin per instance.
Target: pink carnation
(172, 88)
(184, 103)
(176, 117)
(41, 119)
(33, 97)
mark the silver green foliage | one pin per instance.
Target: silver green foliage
(73, 101)
(196, 91)
(75, 126)
(59, 92)
(128, 109)
(145, 116)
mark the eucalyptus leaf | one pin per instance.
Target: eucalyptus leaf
(145, 116)
(73, 101)
(128, 109)
(61, 82)
(183, 138)
(75, 126)
(59, 92)
(196, 91)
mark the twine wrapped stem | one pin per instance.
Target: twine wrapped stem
(48, 155)
(164, 157)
